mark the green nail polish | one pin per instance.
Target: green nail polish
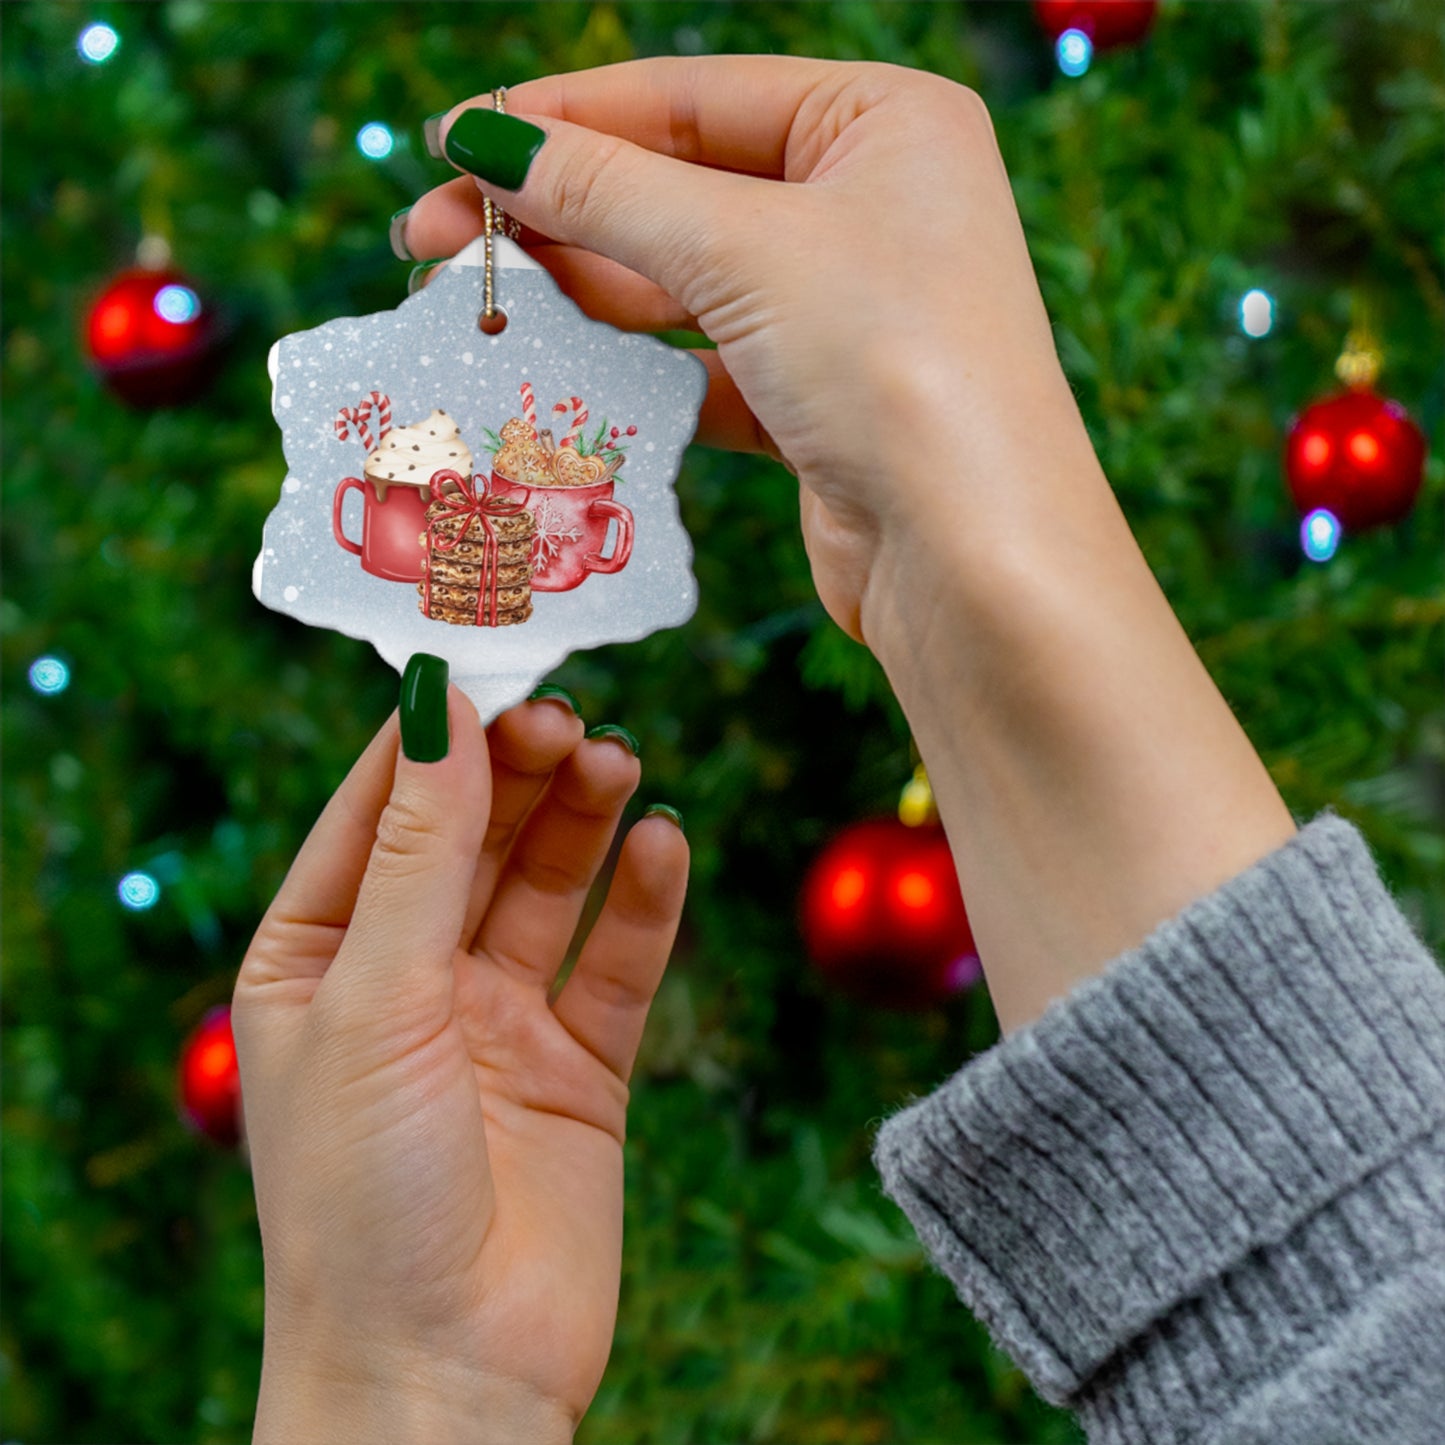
(551, 690)
(664, 810)
(424, 734)
(414, 281)
(498, 148)
(396, 233)
(431, 133)
(615, 730)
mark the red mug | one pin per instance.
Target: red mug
(571, 531)
(392, 528)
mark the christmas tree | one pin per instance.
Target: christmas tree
(168, 741)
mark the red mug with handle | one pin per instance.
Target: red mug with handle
(393, 524)
(572, 526)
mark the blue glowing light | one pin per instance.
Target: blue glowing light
(1319, 535)
(1074, 52)
(1256, 313)
(375, 140)
(49, 675)
(177, 304)
(97, 44)
(138, 891)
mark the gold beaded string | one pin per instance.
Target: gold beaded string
(494, 219)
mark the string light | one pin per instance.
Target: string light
(375, 141)
(1074, 52)
(177, 304)
(1256, 313)
(97, 43)
(138, 891)
(49, 675)
(1319, 535)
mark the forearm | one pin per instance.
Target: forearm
(1090, 776)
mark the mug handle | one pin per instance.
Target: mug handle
(336, 501)
(595, 561)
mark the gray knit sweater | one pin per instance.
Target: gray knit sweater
(1202, 1199)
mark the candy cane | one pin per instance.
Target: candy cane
(356, 416)
(529, 406)
(382, 403)
(579, 419)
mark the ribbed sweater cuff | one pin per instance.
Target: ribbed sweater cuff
(1226, 1090)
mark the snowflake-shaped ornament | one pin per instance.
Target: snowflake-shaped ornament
(451, 492)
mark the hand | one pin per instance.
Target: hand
(437, 1150)
(879, 310)
(847, 235)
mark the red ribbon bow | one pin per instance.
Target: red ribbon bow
(466, 501)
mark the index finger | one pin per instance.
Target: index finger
(733, 112)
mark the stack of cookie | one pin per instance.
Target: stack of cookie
(481, 580)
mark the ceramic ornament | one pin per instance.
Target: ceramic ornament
(496, 500)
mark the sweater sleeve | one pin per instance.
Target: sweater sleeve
(1202, 1198)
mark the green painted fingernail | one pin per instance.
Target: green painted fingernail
(424, 734)
(615, 730)
(551, 690)
(665, 810)
(414, 281)
(498, 148)
(396, 233)
(431, 133)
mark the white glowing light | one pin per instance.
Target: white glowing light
(1319, 535)
(1074, 52)
(138, 891)
(177, 304)
(1256, 313)
(375, 140)
(49, 675)
(97, 44)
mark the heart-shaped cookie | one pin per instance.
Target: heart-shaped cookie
(575, 470)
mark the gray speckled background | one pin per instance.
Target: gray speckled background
(429, 353)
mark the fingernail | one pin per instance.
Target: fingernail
(664, 810)
(551, 690)
(498, 148)
(396, 233)
(414, 281)
(431, 133)
(424, 735)
(615, 730)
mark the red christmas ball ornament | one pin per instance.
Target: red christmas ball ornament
(152, 338)
(1107, 23)
(210, 1080)
(883, 917)
(1357, 455)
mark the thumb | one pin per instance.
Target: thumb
(412, 902)
(661, 217)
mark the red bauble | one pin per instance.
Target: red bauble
(210, 1081)
(1357, 455)
(883, 917)
(152, 338)
(1107, 23)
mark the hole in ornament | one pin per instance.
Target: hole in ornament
(494, 324)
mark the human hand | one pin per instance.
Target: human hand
(437, 1149)
(877, 319)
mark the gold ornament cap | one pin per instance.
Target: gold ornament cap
(915, 803)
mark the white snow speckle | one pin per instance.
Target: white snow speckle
(291, 594)
(292, 484)
(467, 358)
(285, 401)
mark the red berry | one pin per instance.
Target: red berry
(632, 431)
(615, 432)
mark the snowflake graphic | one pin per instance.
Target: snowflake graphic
(552, 532)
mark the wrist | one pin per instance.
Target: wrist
(390, 1398)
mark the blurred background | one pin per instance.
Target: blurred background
(1218, 197)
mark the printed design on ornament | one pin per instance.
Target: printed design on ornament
(477, 546)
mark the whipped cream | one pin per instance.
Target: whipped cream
(410, 454)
